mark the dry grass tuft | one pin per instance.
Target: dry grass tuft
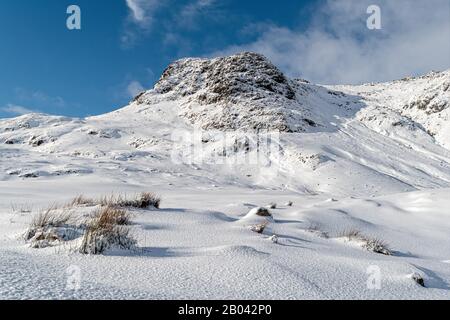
(149, 199)
(80, 200)
(21, 208)
(351, 234)
(142, 201)
(107, 229)
(378, 246)
(97, 239)
(43, 226)
(110, 201)
(370, 244)
(317, 230)
(52, 218)
(111, 216)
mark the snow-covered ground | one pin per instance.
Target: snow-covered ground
(373, 158)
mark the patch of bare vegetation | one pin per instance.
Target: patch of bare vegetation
(141, 201)
(371, 244)
(51, 218)
(107, 229)
(81, 200)
(317, 230)
(21, 208)
(51, 226)
(112, 216)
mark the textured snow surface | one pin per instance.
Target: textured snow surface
(373, 158)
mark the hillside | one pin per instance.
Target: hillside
(217, 138)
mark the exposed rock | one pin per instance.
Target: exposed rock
(240, 92)
(258, 228)
(272, 205)
(418, 279)
(262, 212)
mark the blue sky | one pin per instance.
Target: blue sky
(124, 45)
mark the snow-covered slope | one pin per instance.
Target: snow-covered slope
(416, 108)
(375, 157)
(386, 140)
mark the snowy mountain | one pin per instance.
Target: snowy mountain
(241, 92)
(326, 131)
(419, 105)
(375, 157)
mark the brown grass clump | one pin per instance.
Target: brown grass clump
(80, 200)
(142, 201)
(148, 199)
(375, 245)
(51, 218)
(49, 226)
(107, 229)
(112, 216)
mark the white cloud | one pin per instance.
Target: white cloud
(142, 11)
(190, 13)
(39, 97)
(17, 110)
(338, 48)
(140, 20)
(134, 88)
(142, 14)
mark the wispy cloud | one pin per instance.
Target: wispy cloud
(191, 12)
(338, 47)
(140, 19)
(39, 98)
(17, 110)
(134, 88)
(142, 11)
(181, 17)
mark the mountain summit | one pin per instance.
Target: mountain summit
(247, 92)
(243, 76)
(240, 92)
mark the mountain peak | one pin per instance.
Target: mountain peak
(244, 75)
(244, 91)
